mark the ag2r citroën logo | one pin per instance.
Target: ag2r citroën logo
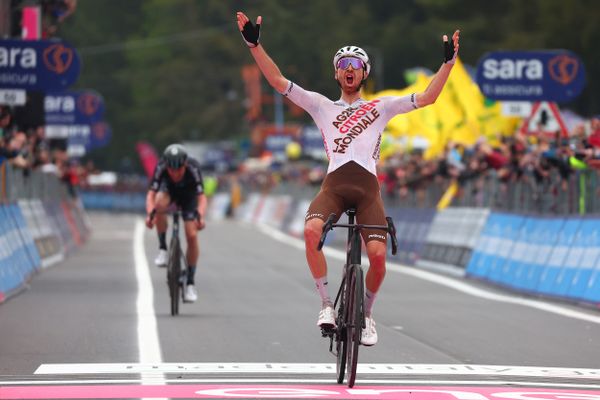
(58, 58)
(563, 68)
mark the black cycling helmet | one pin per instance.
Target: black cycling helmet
(175, 156)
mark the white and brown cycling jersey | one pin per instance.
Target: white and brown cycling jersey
(351, 132)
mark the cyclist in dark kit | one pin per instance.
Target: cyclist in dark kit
(177, 180)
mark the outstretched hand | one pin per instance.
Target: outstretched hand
(451, 51)
(249, 31)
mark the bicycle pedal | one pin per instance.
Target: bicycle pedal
(327, 331)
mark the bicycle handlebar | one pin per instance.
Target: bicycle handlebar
(326, 228)
(153, 214)
(392, 232)
(390, 228)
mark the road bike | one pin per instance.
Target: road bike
(176, 274)
(350, 319)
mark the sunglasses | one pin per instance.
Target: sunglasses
(345, 62)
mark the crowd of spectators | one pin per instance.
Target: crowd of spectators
(540, 161)
(27, 149)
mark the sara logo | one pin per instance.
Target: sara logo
(563, 68)
(58, 58)
(88, 104)
(99, 130)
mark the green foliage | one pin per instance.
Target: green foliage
(171, 70)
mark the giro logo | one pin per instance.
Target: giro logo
(58, 58)
(563, 68)
(88, 104)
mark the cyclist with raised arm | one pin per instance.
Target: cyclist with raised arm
(351, 129)
(177, 180)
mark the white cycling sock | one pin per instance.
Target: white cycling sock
(322, 288)
(369, 300)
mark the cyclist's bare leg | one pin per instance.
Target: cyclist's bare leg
(313, 229)
(376, 252)
(193, 249)
(162, 202)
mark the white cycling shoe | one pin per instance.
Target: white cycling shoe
(162, 258)
(369, 334)
(326, 317)
(190, 295)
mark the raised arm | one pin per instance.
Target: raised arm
(433, 90)
(251, 35)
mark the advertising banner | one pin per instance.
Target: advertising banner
(40, 65)
(73, 107)
(545, 75)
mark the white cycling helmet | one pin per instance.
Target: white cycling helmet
(352, 51)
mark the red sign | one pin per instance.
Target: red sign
(545, 120)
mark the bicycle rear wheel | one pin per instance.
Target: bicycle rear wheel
(355, 320)
(173, 273)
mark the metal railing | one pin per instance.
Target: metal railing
(16, 183)
(552, 195)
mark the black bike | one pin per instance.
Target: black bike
(176, 275)
(349, 300)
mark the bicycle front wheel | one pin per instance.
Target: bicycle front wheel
(355, 320)
(341, 335)
(173, 273)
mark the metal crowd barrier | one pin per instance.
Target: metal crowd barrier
(39, 225)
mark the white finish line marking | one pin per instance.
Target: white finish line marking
(315, 369)
(403, 382)
(441, 280)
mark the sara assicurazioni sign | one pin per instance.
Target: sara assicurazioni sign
(41, 65)
(547, 75)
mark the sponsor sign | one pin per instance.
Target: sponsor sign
(100, 135)
(277, 143)
(73, 107)
(553, 75)
(516, 108)
(41, 65)
(311, 140)
(13, 97)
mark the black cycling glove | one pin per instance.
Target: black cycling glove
(449, 53)
(251, 34)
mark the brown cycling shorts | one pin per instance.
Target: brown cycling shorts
(351, 186)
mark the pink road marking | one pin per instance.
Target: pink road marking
(293, 392)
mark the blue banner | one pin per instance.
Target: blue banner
(40, 65)
(101, 134)
(552, 274)
(73, 107)
(553, 75)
